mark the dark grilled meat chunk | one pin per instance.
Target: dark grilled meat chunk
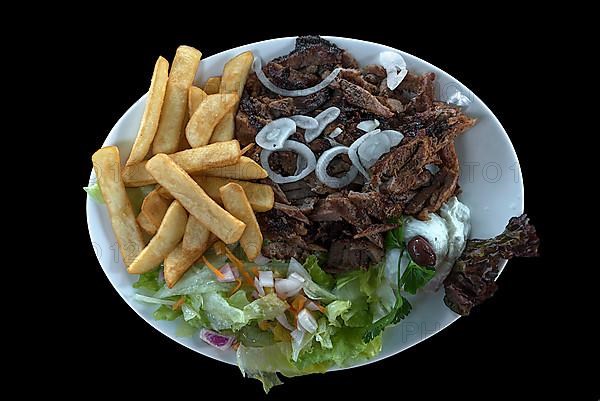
(311, 50)
(288, 78)
(350, 254)
(361, 98)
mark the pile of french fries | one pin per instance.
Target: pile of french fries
(185, 146)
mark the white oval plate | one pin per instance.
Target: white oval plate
(490, 179)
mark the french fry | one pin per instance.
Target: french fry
(224, 130)
(183, 188)
(235, 73)
(164, 193)
(150, 119)
(146, 224)
(154, 208)
(195, 236)
(174, 109)
(195, 97)
(212, 85)
(180, 260)
(191, 160)
(107, 165)
(236, 203)
(202, 123)
(167, 237)
(260, 196)
(244, 169)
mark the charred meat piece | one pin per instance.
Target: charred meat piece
(350, 254)
(356, 78)
(473, 277)
(284, 250)
(361, 98)
(432, 197)
(292, 211)
(288, 78)
(308, 104)
(311, 50)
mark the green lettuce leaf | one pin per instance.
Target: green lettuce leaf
(94, 192)
(220, 314)
(166, 313)
(335, 310)
(266, 308)
(318, 275)
(148, 281)
(239, 300)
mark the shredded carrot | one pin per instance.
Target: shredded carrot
(238, 263)
(246, 148)
(237, 286)
(178, 304)
(255, 271)
(298, 302)
(213, 269)
(235, 345)
(321, 307)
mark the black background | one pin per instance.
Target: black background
(509, 345)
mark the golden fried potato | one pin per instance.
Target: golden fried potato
(202, 123)
(236, 202)
(245, 169)
(191, 160)
(180, 260)
(183, 188)
(164, 193)
(196, 235)
(175, 108)
(224, 130)
(260, 196)
(146, 224)
(212, 85)
(167, 237)
(154, 207)
(195, 97)
(107, 165)
(235, 73)
(150, 119)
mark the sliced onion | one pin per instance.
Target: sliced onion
(305, 122)
(294, 146)
(307, 321)
(255, 294)
(259, 289)
(459, 99)
(337, 131)
(152, 300)
(215, 339)
(296, 276)
(353, 152)
(395, 67)
(373, 148)
(395, 137)
(261, 260)
(265, 278)
(312, 306)
(324, 118)
(287, 287)
(257, 66)
(333, 142)
(284, 322)
(228, 275)
(273, 135)
(321, 169)
(296, 267)
(368, 125)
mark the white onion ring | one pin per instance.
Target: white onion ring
(257, 66)
(368, 125)
(305, 122)
(394, 136)
(353, 152)
(293, 146)
(324, 118)
(334, 134)
(323, 162)
(372, 149)
(274, 134)
(395, 67)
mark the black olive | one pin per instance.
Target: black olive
(421, 251)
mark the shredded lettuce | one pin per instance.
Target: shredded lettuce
(318, 275)
(239, 300)
(148, 281)
(265, 308)
(166, 313)
(197, 280)
(311, 289)
(221, 315)
(94, 192)
(336, 309)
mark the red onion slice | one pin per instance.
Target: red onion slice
(305, 122)
(215, 339)
(323, 162)
(228, 275)
(257, 66)
(273, 135)
(302, 150)
(324, 118)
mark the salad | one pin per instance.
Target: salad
(288, 212)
